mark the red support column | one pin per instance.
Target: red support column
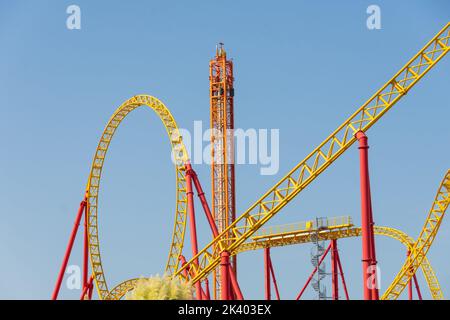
(334, 270)
(368, 242)
(183, 262)
(203, 201)
(225, 279)
(86, 248)
(341, 270)
(410, 290)
(193, 227)
(419, 294)
(236, 290)
(69, 249)
(87, 290)
(231, 278)
(207, 293)
(91, 288)
(274, 279)
(410, 287)
(313, 272)
(267, 273)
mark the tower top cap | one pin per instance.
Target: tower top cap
(220, 50)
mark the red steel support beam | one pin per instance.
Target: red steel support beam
(203, 200)
(368, 242)
(410, 283)
(69, 249)
(231, 278)
(225, 279)
(341, 270)
(416, 283)
(410, 290)
(87, 290)
(375, 290)
(237, 293)
(313, 272)
(193, 227)
(207, 293)
(334, 270)
(86, 248)
(91, 288)
(267, 273)
(274, 279)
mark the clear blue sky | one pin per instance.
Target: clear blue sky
(300, 66)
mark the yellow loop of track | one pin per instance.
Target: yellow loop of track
(180, 157)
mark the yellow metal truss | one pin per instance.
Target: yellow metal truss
(180, 157)
(320, 158)
(297, 233)
(424, 241)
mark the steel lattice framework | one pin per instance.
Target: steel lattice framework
(221, 93)
(320, 158)
(424, 241)
(180, 157)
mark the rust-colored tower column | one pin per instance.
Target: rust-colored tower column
(221, 92)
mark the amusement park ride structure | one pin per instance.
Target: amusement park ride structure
(231, 235)
(222, 142)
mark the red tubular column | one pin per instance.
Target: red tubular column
(267, 273)
(410, 287)
(231, 276)
(274, 280)
(183, 262)
(374, 292)
(236, 293)
(87, 290)
(69, 249)
(207, 294)
(203, 201)
(341, 270)
(193, 227)
(86, 248)
(225, 275)
(334, 270)
(368, 253)
(313, 272)
(419, 294)
(410, 290)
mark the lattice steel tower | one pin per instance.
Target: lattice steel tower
(221, 92)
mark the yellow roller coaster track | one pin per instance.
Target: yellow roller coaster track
(269, 238)
(320, 159)
(424, 241)
(180, 157)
